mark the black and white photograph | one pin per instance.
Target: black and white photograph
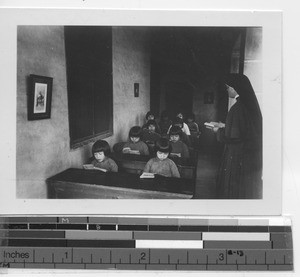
(174, 112)
(40, 98)
(165, 112)
(171, 140)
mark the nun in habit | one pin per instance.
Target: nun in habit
(240, 172)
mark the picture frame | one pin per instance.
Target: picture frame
(39, 97)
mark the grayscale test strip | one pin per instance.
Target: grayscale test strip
(137, 243)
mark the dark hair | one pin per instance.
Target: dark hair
(148, 114)
(177, 121)
(163, 145)
(151, 122)
(175, 130)
(135, 131)
(101, 146)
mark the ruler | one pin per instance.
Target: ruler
(136, 243)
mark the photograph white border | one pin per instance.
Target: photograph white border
(271, 110)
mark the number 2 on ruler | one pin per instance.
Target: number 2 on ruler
(143, 256)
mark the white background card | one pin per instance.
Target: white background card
(271, 110)
(290, 105)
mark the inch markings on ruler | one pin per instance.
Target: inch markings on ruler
(144, 244)
(15, 256)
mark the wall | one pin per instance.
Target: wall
(203, 77)
(131, 64)
(253, 60)
(199, 86)
(43, 146)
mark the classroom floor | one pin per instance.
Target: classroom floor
(208, 164)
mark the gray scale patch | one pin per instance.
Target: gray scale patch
(282, 240)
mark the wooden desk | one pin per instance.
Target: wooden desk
(93, 184)
(136, 164)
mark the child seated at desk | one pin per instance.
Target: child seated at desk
(150, 136)
(135, 145)
(179, 148)
(161, 164)
(184, 137)
(150, 116)
(185, 127)
(100, 151)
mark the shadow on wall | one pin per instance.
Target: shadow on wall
(85, 154)
(140, 119)
(119, 137)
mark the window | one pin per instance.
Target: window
(89, 81)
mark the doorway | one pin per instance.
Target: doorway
(179, 97)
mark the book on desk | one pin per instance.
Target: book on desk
(146, 175)
(77, 183)
(92, 167)
(136, 163)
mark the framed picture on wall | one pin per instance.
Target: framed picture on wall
(39, 97)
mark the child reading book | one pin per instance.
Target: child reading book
(161, 164)
(150, 136)
(135, 145)
(101, 161)
(179, 148)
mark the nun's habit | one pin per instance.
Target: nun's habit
(240, 173)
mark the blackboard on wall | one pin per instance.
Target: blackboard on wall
(89, 81)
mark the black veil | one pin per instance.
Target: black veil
(247, 96)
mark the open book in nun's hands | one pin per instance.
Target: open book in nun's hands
(147, 175)
(90, 166)
(212, 124)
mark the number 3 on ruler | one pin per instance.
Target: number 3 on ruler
(221, 256)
